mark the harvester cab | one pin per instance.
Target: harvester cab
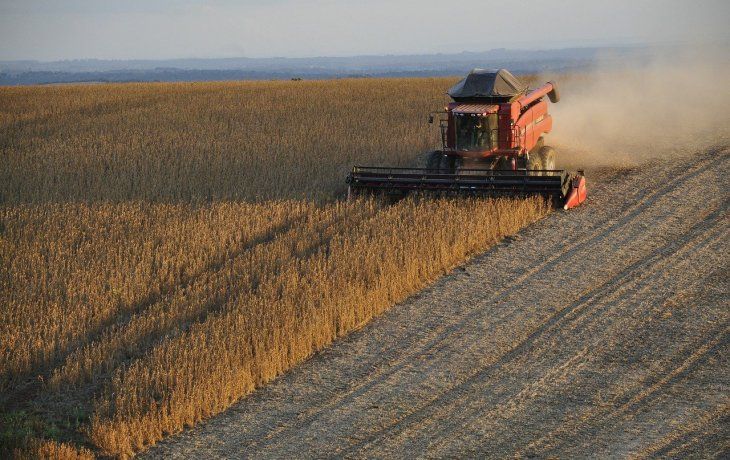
(492, 143)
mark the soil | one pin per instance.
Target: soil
(603, 331)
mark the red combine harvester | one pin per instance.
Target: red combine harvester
(492, 139)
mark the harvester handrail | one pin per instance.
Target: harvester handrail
(501, 172)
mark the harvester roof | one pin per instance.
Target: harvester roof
(475, 109)
(489, 85)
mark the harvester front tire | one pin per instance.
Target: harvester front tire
(535, 162)
(449, 164)
(434, 161)
(538, 145)
(547, 157)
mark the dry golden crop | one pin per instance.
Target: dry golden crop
(46, 449)
(167, 248)
(206, 141)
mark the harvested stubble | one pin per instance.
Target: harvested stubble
(147, 284)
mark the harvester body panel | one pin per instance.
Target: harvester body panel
(518, 124)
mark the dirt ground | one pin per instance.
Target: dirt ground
(599, 332)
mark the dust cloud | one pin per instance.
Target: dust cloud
(625, 113)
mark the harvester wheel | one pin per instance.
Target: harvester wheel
(538, 145)
(535, 162)
(547, 155)
(502, 164)
(449, 165)
(434, 160)
(459, 166)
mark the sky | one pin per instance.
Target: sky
(165, 29)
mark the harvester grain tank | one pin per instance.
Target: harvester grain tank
(492, 137)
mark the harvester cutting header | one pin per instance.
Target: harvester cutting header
(492, 137)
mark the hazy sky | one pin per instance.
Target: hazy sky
(155, 29)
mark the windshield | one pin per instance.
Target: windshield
(476, 132)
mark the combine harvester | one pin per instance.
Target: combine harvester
(492, 145)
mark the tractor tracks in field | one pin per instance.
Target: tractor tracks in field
(583, 310)
(690, 354)
(512, 353)
(679, 444)
(609, 414)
